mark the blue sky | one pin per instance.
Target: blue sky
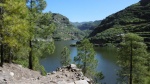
(87, 10)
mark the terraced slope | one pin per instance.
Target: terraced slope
(135, 19)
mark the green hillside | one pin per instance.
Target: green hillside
(86, 27)
(64, 29)
(135, 19)
(91, 25)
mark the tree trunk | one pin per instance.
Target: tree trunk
(2, 54)
(30, 44)
(30, 56)
(2, 45)
(10, 56)
(84, 65)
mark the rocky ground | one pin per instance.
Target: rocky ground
(16, 74)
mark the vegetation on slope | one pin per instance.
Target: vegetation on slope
(133, 60)
(25, 33)
(86, 27)
(91, 25)
(64, 29)
(134, 18)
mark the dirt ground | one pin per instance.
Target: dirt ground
(16, 74)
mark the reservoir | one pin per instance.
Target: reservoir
(106, 56)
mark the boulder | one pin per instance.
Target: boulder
(48, 73)
(54, 72)
(73, 66)
(12, 74)
(81, 82)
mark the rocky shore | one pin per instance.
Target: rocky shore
(16, 74)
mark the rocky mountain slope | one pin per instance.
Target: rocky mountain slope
(64, 29)
(16, 74)
(135, 19)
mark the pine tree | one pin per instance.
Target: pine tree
(86, 58)
(35, 7)
(87, 62)
(41, 29)
(15, 30)
(65, 58)
(132, 60)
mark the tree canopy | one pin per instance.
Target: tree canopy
(86, 57)
(132, 60)
(65, 58)
(26, 32)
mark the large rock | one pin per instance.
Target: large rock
(12, 74)
(81, 82)
(73, 66)
(54, 72)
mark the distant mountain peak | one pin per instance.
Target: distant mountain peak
(89, 25)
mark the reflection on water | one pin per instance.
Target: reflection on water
(106, 60)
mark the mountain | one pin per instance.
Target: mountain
(87, 25)
(64, 29)
(135, 19)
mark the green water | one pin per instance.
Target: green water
(106, 60)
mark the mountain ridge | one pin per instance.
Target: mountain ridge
(64, 29)
(88, 25)
(134, 19)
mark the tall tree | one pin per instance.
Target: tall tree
(35, 7)
(41, 31)
(65, 58)
(86, 58)
(15, 30)
(132, 60)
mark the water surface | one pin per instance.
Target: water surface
(106, 60)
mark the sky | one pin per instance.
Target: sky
(87, 10)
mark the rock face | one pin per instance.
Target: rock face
(14, 74)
